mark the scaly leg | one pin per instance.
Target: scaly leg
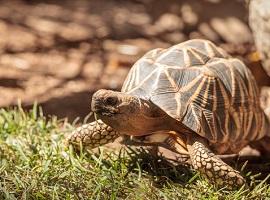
(92, 135)
(211, 166)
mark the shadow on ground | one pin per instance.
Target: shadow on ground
(58, 52)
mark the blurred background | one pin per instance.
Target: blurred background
(58, 52)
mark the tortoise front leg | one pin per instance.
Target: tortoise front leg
(211, 166)
(92, 135)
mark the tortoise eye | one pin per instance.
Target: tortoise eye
(111, 101)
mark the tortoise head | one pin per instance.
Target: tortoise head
(126, 113)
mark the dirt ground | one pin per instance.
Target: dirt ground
(59, 52)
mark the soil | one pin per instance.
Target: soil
(58, 53)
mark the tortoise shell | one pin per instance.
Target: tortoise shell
(202, 87)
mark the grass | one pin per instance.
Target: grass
(36, 164)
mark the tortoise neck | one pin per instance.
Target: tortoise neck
(150, 110)
(159, 119)
(156, 118)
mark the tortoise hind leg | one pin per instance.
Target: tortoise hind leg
(211, 166)
(92, 135)
(262, 145)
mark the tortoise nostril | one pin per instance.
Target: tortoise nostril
(112, 101)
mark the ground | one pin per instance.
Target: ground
(57, 53)
(36, 164)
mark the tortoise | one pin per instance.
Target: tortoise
(259, 21)
(193, 98)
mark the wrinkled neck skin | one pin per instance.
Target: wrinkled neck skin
(137, 117)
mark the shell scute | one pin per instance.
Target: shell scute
(203, 88)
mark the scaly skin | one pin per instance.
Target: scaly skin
(211, 166)
(202, 159)
(92, 135)
(133, 116)
(97, 133)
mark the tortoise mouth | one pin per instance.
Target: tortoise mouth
(99, 108)
(108, 112)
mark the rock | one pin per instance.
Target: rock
(174, 37)
(232, 30)
(208, 32)
(188, 15)
(169, 22)
(259, 20)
